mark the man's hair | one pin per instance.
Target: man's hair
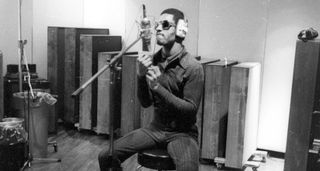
(177, 14)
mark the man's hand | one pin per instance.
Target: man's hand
(153, 75)
(144, 62)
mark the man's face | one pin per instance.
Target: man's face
(166, 30)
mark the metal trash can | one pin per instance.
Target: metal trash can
(12, 144)
(36, 112)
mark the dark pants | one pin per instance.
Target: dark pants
(182, 147)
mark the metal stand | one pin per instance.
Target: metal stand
(22, 59)
(144, 34)
(116, 164)
(30, 158)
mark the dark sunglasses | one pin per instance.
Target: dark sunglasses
(165, 24)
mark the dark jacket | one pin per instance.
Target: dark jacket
(177, 99)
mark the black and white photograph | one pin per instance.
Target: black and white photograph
(142, 85)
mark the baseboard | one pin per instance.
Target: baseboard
(274, 154)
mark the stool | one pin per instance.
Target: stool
(157, 159)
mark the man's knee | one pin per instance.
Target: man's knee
(185, 153)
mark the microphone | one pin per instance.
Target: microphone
(146, 30)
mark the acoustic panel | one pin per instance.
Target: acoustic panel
(203, 62)
(304, 102)
(130, 106)
(85, 98)
(109, 95)
(1, 86)
(90, 46)
(243, 114)
(215, 109)
(64, 67)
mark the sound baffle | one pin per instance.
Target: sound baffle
(130, 105)
(203, 62)
(302, 152)
(96, 101)
(215, 109)
(243, 114)
(1, 87)
(64, 67)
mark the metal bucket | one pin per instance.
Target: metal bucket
(37, 113)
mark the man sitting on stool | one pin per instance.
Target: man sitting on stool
(172, 81)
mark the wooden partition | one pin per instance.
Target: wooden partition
(103, 95)
(85, 98)
(95, 101)
(109, 94)
(243, 114)
(215, 109)
(63, 67)
(204, 62)
(130, 105)
(1, 86)
(304, 109)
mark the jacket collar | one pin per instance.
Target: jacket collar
(159, 58)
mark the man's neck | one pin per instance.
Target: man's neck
(172, 49)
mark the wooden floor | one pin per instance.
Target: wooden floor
(79, 151)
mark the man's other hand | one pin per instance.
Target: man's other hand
(153, 75)
(144, 62)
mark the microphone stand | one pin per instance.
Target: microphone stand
(115, 161)
(26, 103)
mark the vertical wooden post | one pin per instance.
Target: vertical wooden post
(1, 86)
(85, 119)
(54, 69)
(107, 82)
(204, 62)
(243, 114)
(103, 108)
(215, 109)
(305, 98)
(64, 66)
(130, 106)
(67, 78)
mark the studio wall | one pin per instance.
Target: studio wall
(9, 30)
(235, 30)
(285, 20)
